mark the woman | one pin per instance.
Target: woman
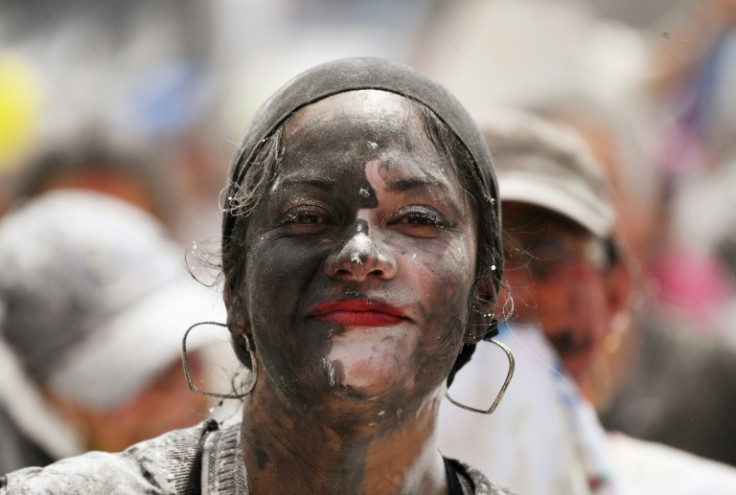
(361, 254)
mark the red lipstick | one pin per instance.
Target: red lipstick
(359, 313)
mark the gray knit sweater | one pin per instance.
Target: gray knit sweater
(204, 459)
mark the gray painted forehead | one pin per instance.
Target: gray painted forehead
(355, 74)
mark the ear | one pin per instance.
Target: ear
(483, 310)
(619, 291)
(237, 322)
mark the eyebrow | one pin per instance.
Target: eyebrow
(406, 183)
(324, 183)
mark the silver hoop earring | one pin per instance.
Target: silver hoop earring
(509, 376)
(188, 374)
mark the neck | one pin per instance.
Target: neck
(299, 450)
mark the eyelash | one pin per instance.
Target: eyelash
(414, 212)
(418, 218)
(293, 215)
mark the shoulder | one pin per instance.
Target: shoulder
(650, 467)
(474, 482)
(161, 465)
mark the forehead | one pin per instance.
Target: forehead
(340, 135)
(360, 108)
(526, 218)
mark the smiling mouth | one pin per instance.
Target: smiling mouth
(567, 344)
(359, 313)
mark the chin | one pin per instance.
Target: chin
(369, 363)
(579, 370)
(368, 380)
(365, 380)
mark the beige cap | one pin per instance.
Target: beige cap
(549, 165)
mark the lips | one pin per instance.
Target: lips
(567, 344)
(359, 313)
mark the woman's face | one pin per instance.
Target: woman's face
(361, 258)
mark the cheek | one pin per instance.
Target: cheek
(276, 286)
(444, 282)
(278, 273)
(443, 277)
(583, 299)
(567, 304)
(592, 311)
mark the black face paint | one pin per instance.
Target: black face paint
(361, 259)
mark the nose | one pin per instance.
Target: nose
(361, 258)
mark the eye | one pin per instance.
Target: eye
(555, 257)
(418, 221)
(549, 249)
(306, 220)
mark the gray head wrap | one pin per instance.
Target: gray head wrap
(353, 74)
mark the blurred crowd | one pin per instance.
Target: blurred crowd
(117, 123)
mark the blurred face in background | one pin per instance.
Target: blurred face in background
(559, 276)
(165, 404)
